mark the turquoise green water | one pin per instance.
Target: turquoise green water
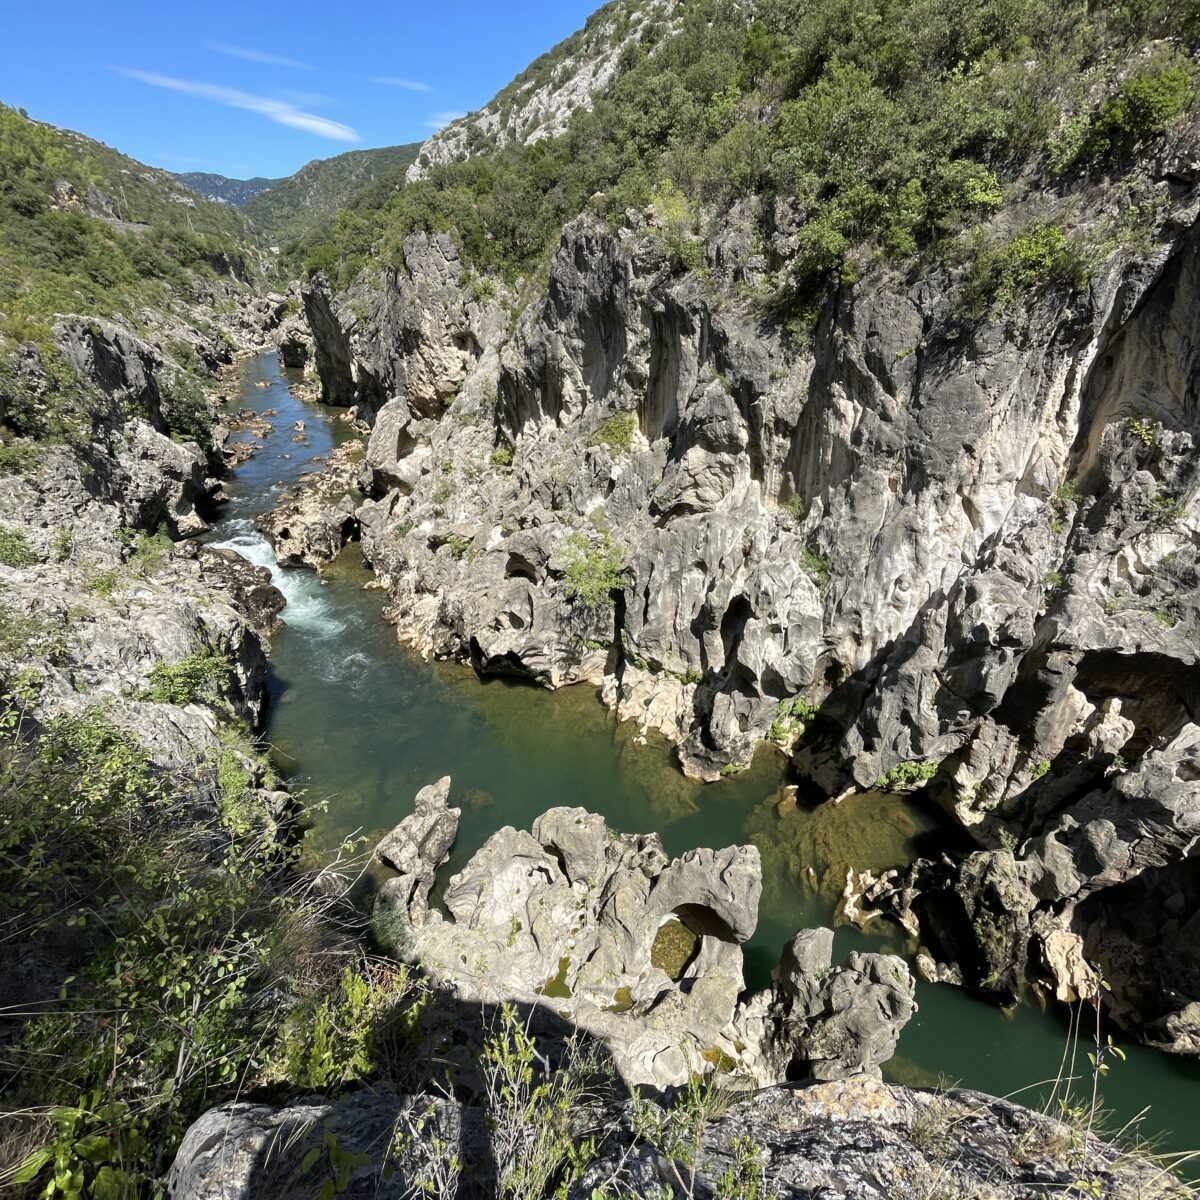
(362, 724)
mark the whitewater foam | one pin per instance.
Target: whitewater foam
(308, 608)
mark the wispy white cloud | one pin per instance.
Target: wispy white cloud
(257, 56)
(409, 85)
(306, 99)
(439, 120)
(279, 111)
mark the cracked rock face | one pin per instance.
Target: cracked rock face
(638, 949)
(853, 1139)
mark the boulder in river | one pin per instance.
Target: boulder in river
(639, 949)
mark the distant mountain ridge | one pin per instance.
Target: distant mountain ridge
(314, 193)
(223, 189)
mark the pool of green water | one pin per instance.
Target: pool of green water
(362, 723)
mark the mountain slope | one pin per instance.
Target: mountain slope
(105, 260)
(224, 189)
(85, 229)
(539, 102)
(321, 187)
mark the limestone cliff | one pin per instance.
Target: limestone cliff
(935, 544)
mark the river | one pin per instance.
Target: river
(361, 724)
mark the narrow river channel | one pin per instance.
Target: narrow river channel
(360, 722)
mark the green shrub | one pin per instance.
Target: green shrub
(817, 566)
(1038, 257)
(15, 550)
(104, 583)
(148, 553)
(593, 573)
(502, 456)
(796, 711)
(18, 457)
(62, 543)
(1143, 106)
(905, 775)
(616, 431)
(200, 676)
(1143, 428)
(368, 1023)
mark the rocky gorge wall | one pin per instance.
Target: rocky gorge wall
(931, 546)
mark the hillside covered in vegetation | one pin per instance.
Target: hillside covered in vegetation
(888, 127)
(292, 206)
(83, 229)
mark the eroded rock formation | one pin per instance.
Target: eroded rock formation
(965, 542)
(637, 949)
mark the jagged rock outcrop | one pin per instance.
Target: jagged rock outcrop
(854, 1139)
(639, 950)
(247, 586)
(316, 518)
(818, 1022)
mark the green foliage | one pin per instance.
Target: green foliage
(15, 550)
(792, 713)
(1144, 105)
(816, 565)
(313, 194)
(366, 1024)
(1039, 257)
(62, 543)
(1066, 494)
(1039, 769)
(104, 583)
(123, 240)
(616, 432)
(200, 676)
(459, 546)
(593, 573)
(1168, 507)
(532, 1112)
(502, 456)
(31, 636)
(886, 125)
(905, 775)
(174, 946)
(18, 458)
(676, 222)
(1143, 428)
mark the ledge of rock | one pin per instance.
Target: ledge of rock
(636, 948)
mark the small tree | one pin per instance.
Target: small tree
(593, 572)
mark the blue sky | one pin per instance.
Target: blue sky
(256, 88)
